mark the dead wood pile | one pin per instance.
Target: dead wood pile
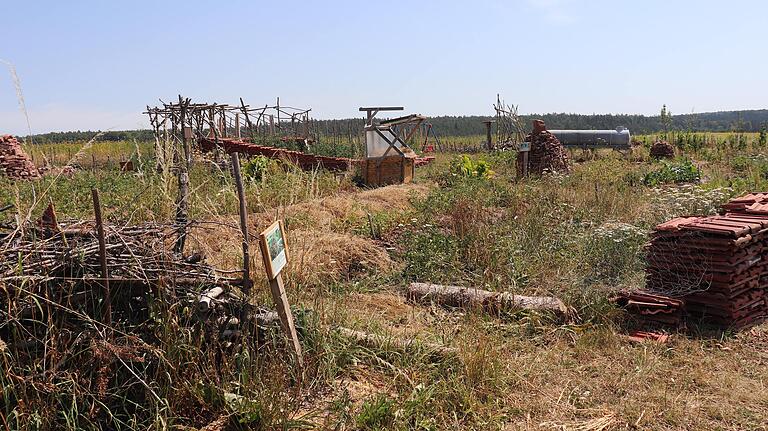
(14, 161)
(60, 319)
(547, 154)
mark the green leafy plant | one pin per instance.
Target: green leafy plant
(466, 167)
(376, 414)
(255, 167)
(681, 171)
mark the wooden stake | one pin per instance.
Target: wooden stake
(182, 204)
(102, 256)
(243, 222)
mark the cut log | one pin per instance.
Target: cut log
(378, 341)
(206, 299)
(492, 302)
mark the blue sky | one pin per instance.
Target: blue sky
(97, 64)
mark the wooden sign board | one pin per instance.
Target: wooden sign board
(524, 147)
(274, 253)
(273, 249)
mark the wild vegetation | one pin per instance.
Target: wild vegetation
(465, 221)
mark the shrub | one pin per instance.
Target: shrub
(673, 172)
(614, 250)
(254, 168)
(468, 168)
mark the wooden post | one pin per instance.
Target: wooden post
(525, 163)
(248, 120)
(182, 204)
(107, 314)
(488, 141)
(237, 126)
(243, 222)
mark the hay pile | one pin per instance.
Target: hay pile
(14, 161)
(547, 154)
(662, 150)
(316, 257)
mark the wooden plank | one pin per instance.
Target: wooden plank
(277, 289)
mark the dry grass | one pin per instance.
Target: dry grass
(516, 372)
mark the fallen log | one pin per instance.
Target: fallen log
(492, 302)
(378, 341)
(206, 299)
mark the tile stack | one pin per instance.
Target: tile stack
(14, 162)
(546, 153)
(716, 264)
(753, 203)
(652, 309)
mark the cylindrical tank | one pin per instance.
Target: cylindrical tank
(618, 138)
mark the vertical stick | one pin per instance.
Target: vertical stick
(237, 126)
(243, 222)
(182, 208)
(488, 141)
(286, 317)
(107, 314)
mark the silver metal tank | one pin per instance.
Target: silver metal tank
(618, 139)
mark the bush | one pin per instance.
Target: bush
(468, 168)
(673, 172)
(254, 168)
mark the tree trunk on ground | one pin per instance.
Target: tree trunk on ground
(492, 302)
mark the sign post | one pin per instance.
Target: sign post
(523, 149)
(274, 252)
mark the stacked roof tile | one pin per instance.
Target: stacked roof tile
(718, 264)
(655, 309)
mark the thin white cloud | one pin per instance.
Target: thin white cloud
(556, 11)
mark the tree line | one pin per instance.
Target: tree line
(724, 121)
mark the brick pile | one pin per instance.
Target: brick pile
(14, 162)
(718, 265)
(546, 153)
(662, 150)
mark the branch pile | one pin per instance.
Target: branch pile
(61, 321)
